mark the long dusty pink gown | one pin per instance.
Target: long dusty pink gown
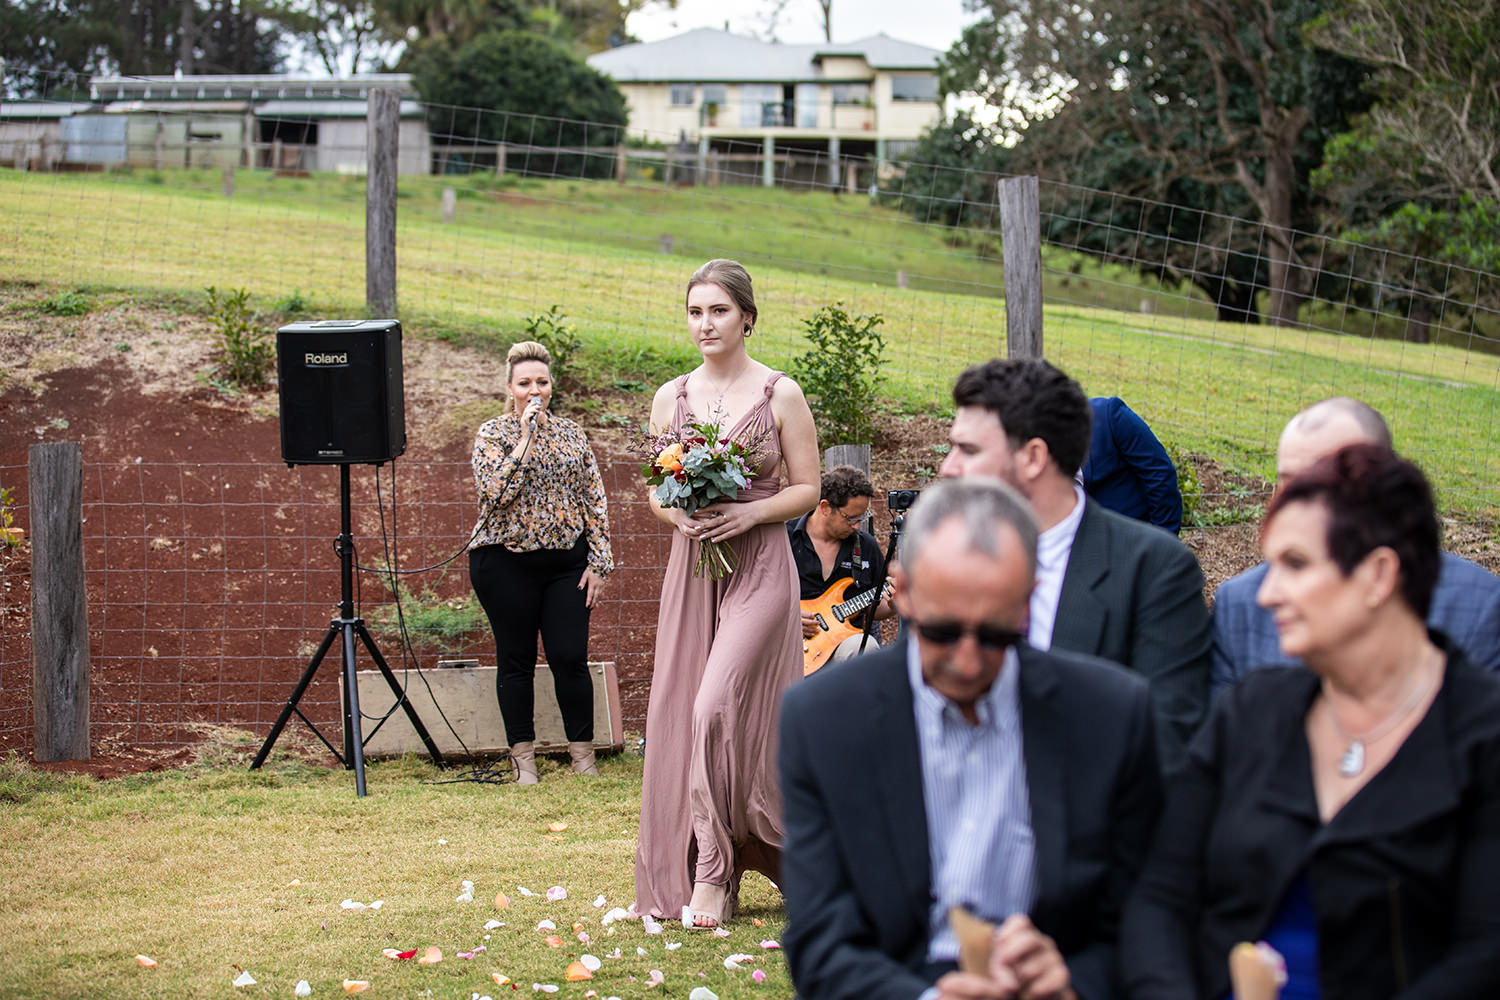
(725, 651)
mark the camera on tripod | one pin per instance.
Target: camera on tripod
(900, 501)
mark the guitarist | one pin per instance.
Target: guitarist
(828, 545)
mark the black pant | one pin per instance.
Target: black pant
(525, 591)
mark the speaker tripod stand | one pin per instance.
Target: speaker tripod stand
(346, 628)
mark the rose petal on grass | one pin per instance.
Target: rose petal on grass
(145, 961)
(557, 826)
(770, 945)
(611, 916)
(615, 954)
(577, 972)
(397, 955)
(721, 932)
(356, 985)
(672, 945)
(244, 979)
(702, 993)
(464, 954)
(590, 994)
(556, 893)
(590, 962)
(499, 979)
(302, 989)
(294, 883)
(432, 956)
(758, 976)
(583, 937)
(543, 988)
(377, 904)
(502, 901)
(655, 978)
(490, 925)
(524, 891)
(598, 901)
(639, 950)
(350, 904)
(552, 941)
(546, 925)
(733, 961)
(649, 922)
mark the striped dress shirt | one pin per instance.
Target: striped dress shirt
(979, 837)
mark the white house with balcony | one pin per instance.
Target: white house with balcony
(862, 100)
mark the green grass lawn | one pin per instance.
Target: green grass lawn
(212, 870)
(518, 246)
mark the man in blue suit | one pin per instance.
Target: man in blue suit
(1465, 605)
(1128, 471)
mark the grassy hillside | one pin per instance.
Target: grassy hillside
(596, 249)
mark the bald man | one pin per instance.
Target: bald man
(1465, 605)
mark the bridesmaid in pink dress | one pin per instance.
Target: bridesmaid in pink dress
(725, 649)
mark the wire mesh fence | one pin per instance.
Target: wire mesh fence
(208, 582)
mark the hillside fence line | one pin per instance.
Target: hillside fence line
(208, 584)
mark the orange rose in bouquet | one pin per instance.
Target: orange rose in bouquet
(695, 468)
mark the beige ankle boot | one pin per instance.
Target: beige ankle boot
(524, 754)
(582, 755)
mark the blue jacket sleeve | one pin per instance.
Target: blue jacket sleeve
(1153, 467)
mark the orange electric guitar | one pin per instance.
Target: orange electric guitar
(833, 613)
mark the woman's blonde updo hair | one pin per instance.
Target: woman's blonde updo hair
(731, 276)
(525, 350)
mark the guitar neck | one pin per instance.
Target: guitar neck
(856, 604)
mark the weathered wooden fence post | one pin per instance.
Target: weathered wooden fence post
(1021, 241)
(383, 119)
(857, 455)
(450, 204)
(59, 609)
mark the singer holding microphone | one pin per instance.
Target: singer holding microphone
(539, 556)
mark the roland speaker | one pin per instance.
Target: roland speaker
(341, 396)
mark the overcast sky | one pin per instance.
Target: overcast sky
(934, 23)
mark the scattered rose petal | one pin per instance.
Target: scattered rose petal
(441, 842)
(583, 937)
(557, 826)
(615, 954)
(721, 932)
(302, 989)
(590, 962)
(655, 978)
(577, 926)
(145, 961)
(356, 985)
(546, 925)
(467, 896)
(733, 961)
(244, 979)
(598, 901)
(464, 954)
(577, 972)
(490, 925)
(543, 988)
(590, 994)
(702, 993)
(499, 979)
(649, 922)
(640, 951)
(294, 883)
(377, 904)
(502, 901)
(770, 945)
(615, 914)
(758, 976)
(524, 891)
(556, 893)
(673, 945)
(432, 956)
(757, 921)
(552, 941)
(350, 904)
(392, 953)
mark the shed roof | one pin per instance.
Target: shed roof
(707, 54)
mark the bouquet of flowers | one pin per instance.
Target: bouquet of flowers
(695, 468)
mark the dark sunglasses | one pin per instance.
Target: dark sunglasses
(949, 633)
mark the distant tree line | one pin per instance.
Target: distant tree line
(1373, 120)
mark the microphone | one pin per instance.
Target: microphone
(534, 397)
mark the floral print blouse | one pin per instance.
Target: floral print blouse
(545, 500)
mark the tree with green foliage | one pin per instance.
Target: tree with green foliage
(1420, 173)
(517, 87)
(1215, 109)
(842, 373)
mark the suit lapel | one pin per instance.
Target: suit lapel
(1044, 734)
(1081, 612)
(900, 790)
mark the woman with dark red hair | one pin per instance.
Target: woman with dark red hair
(1348, 814)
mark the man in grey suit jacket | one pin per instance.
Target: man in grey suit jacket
(1107, 585)
(1465, 604)
(961, 767)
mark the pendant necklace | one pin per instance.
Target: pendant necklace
(1352, 760)
(718, 407)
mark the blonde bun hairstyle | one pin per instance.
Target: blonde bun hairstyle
(521, 351)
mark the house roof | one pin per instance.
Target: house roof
(707, 54)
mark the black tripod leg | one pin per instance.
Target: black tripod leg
(291, 703)
(353, 742)
(401, 699)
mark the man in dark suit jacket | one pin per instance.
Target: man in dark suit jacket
(1465, 604)
(1107, 585)
(959, 766)
(1127, 469)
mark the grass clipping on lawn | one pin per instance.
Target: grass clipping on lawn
(215, 870)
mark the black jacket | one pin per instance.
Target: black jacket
(1405, 878)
